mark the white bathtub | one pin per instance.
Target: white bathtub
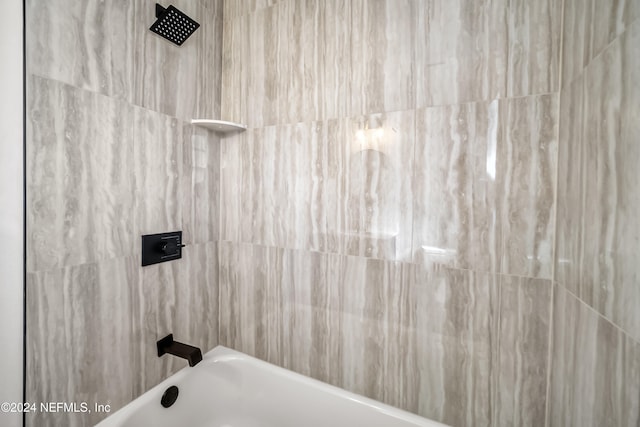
(231, 389)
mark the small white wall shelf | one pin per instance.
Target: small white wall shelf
(219, 126)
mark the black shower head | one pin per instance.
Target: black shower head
(173, 24)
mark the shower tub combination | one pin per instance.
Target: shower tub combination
(231, 389)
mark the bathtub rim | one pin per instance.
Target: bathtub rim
(222, 354)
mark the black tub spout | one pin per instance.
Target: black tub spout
(184, 351)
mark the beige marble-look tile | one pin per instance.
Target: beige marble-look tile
(235, 185)
(106, 47)
(365, 336)
(287, 63)
(576, 38)
(589, 27)
(522, 367)
(525, 179)
(100, 173)
(251, 310)
(609, 20)
(261, 44)
(535, 30)
(595, 368)
(574, 178)
(329, 184)
(461, 51)
(383, 38)
(86, 44)
(152, 310)
(276, 171)
(338, 186)
(419, 338)
(411, 336)
(80, 176)
(483, 186)
(236, 8)
(265, 51)
(455, 344)
(454, 221)
(92, 329)
(234, 93)
(312, 322)
(157, 150)
(81, 339)
(200, 185)
(178, 81)
(289, 66)
(376, 188)
(179, 297)
(327, 59)
(611, 231)
(276, 304)
(195, 292)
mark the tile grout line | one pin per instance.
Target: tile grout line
(497, 265)
(615, 325)
(395, 261)
(220, 142)
(555, 223)
(376, 112)
(111, 97)
(602, 51)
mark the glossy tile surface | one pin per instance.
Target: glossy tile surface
(200, 185)
(178, 81)
(595, 377)
(158, 170)
(589, 27)
(483, 171)
(290, 307)
(389, 215)
(108, 317)
(526, 163)
(367, 225)
(383, 37)
(338, 186)
(72, 338)
(454, 186)
(101, 172)
(328, 51)
(461, 51)
(110, 157)
(80, 176)
(534, 33)
(106, 47)
(610, 20)
(420, 338)
(234, 76)
(287, 63)
(268, 63)
(236, 8)
(85, 44)
(522, 367)
(598, 229)
(572, 177)
(576, 39)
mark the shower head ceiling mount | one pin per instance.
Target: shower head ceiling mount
(173, 24)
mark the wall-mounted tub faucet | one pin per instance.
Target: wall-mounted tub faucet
(184, 351)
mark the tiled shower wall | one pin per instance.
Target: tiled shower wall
(110, 157)
(387, 221)
(595, 377)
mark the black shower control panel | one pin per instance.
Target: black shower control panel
(161, 247)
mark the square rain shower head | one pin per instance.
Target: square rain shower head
(173, 25)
